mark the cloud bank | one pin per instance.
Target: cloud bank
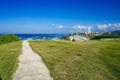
(98, 28)
(82, 28)
(108, 27)
(95, 28)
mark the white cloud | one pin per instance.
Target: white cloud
(109, 27)
(83, 28)
(116, 26)
(79, 27)
(102, 27)
(98, 27)
(60, 27)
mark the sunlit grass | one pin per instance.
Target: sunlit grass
(8, 59)
(91, 60)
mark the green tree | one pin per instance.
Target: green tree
(115, 35)
(106, 35)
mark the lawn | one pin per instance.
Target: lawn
(8, 59)
(91, 60)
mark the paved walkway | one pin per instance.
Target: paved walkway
(31, 66)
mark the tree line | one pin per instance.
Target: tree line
(107, 35)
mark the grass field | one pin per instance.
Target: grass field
(8, 59)
(91, 60)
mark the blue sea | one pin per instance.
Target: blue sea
(39, 36)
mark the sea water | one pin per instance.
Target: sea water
(38, 36)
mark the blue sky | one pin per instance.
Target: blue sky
(58, 16)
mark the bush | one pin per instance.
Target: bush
(5, 38)
(107, 35)
(115, 35)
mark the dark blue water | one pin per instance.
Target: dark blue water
(39, 36)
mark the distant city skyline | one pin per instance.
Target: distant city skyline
(59, 16)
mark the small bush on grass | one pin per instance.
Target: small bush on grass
(5, 38)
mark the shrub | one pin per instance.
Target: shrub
(107, 35)
(5, 38)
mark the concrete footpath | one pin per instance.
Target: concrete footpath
(31, 66)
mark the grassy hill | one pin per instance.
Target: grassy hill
(9, 53)
(91, 60)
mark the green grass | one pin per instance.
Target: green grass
(91, 60)
(8, 59)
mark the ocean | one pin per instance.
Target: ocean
(39, 36)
